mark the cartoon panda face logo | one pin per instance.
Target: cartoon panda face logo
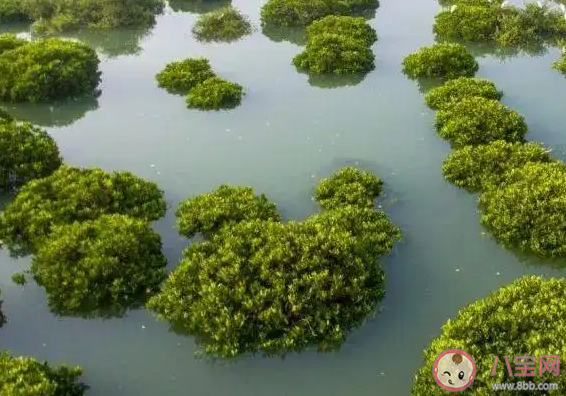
(454, 370)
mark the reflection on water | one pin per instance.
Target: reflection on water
(115, 42)
(331, 81)
(56, 114)
(293, 35)
(198, 6)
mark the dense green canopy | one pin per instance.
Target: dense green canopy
(215, 93)
(560, 64)
(208, 213)
(13, 11)
(47, 70)
(529, 211)
(276, 288)
(477, 120)
(26, 376)
(108, 263)
(75, 194)
(348, 186)
(525, 317)
(459, 88)
(441, 60)
(28, 153)
(182, 76)
(303, 12)
(225, 24)
(354, 27)
(10, 41)
(477, 168)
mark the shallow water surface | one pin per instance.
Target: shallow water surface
(286, 135)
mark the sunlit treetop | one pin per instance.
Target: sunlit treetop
(354, 27)
(182, 76)
(441, 60)
(215, 93)
(10, 41)
(225, 24)
(455, 90)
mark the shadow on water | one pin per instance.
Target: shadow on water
(293, 35)
(55, 114)
(331, 81)
(198, 6)
(483, 50)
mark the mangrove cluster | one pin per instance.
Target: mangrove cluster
(339, 45)
(255, 284)
(46, 70)
(225, 24)
(203, 88)
(440, 60)
(526, 315)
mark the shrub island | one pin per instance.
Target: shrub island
(205, 91)
(225, 24)
(46, 70)
(339, 45)
(23, 376)
(459, 88)
(289, 13)
(526, 315)
(72, 194)
(19, 278)
(28, 153)
(477, 120)
(441, 60)
(258, 285)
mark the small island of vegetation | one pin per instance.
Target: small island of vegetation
(225, 24)
(287, 13)
(527, 314)
(28, 153)
(26, 376)
(258, 285)
(182, 76)
(339, 45)
(459, 88)
(19, 278)
(47, 69)
(440, 60)
(215, 94)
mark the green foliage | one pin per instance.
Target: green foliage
(19, 278)
(5, 116)
(3, 319)
(13, 11)
(47, 70)
(467, 22)
(225, 24)
(276, 288)
(335, 53)
(215, 93)
(528, 211)
(10, 41)
(525, 317)
(197, 6)
(75, 194)
(455, 90)
(182, 76)
(208, 213)
(26, 376)
(441, 60)
(66, 15)
(476, 120)
(28, 153)
(348, 186)
(114, 260)
(354, 27)
(560, 64)
(477, 168)
(303, 12)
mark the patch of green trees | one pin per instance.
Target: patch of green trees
(203, 88)
(339, 45)
(457, 89)
(526, 315)
(259, 285)
(560, 64)
(225, 24)
(440, 60)
(46, 70)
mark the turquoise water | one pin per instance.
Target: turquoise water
(286, 135)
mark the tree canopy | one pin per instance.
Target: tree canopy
(441, 60)
(75, 194)
(348, 186)
(182, 76)
(225, 24)
(9, 41)
(477, 168)
(215, 93)
(476, 120)
(529, 210)
(459, 88)
(208, 213)
(28, 153)
(526, 316)
(13, 11)
(303, 12)
(354, 27)
(560, 64)
(48, 69)
(110, 262)
(26, 376)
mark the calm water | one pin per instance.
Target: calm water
(285, 137)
